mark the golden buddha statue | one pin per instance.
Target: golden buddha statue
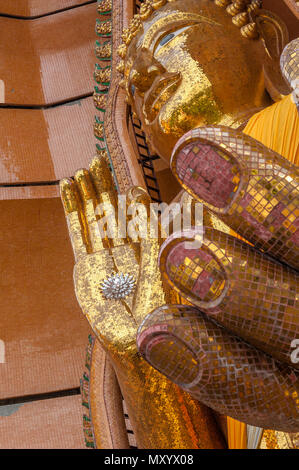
(162, 416)
(187, 64)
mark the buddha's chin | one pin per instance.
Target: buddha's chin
(165, 130)
(164, 135)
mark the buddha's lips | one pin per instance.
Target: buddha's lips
(159, 93)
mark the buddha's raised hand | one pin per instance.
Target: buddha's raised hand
(154, 403)
(234, 349)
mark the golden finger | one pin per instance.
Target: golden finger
(143, 219)
(107, 198)
(149, 292)
(88, 197)
(73, 212)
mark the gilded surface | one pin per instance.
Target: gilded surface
(237, 286)
(235, 289)
(279, 440)
(179, 76)
(251, 188)
(162, 416)
(103, 51)
(219, 369)
(103, 28)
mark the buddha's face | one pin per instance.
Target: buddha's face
(190, 66)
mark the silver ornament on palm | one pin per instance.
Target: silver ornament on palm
(118, 286)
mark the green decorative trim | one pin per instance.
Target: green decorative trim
(99, 129)
(100, 23)
(100, 92)
(103, 147)
(103, 11)
(98, 68)
(103, 47)
(99, 99)
(84, 385)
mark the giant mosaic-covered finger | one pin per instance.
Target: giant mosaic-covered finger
(74, 216)
(251, 188)
(246, 291)
(289, 64)
(219, 369)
